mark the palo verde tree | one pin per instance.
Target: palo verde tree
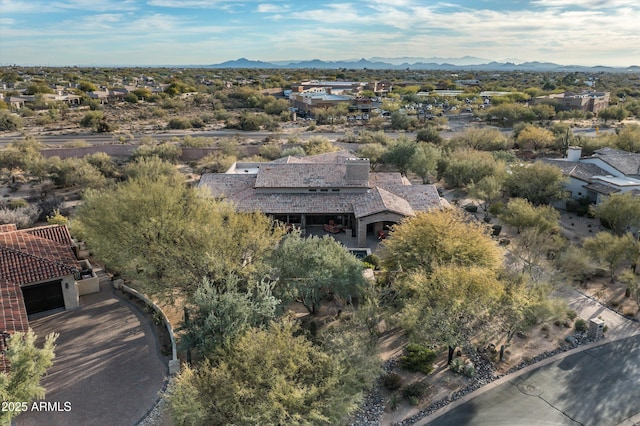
(439, 237)
(611, 250)
(448, 306)
(166, 236)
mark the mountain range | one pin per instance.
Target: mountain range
(467, 63)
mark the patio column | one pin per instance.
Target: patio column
(362, 233)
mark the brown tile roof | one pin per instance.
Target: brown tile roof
(420, 197)
(311, 175)
(379, 200)
(385, 179)
(13, 314)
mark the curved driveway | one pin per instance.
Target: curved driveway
(108, 364)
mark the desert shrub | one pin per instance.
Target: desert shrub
(418, 358)
(179, 123)
(469, 370)
(571, 206)
(571, 314)
(9, 121)
(48, 205)
(23, 217)
(457, 365)
(296, 151)
(57, 218)
(580, 325)
(415, 390)
(392, 381)
(197, 123)
(165, 151)
(497, 208)
(197, 142)
(17, 203)
(372, 259)
(270, 151)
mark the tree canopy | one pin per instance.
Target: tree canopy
(166, 237)
(538, 182)
(28, 364)
(619, 212)
(440, 237)
(307, 269)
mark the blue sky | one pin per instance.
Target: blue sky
(201, 32)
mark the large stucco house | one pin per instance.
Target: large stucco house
(606, 172)
(335, 191)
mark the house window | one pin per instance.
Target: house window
(312, 190)
(324, 190)
(335, 190)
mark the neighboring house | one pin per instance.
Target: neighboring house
(585, 101)
(335, 191)
(43, 263)
(606, 172)
(309, 101)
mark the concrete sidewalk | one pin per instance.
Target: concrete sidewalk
(108, 363)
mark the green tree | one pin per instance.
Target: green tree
(430, 135)
(539, 183)
(628, 139)
(223, 310)
(28, 364)
(488, 189)
(87, 86)
(448, 306)
(439, 237)
(464, 166)
(613, 113)
(534, 137)
(271, 376)
(400, 153)
(319, 145)
(620, 212)
(309, 269)
(521, 214)
(611, 250)
(424, 161)
(481, 139)
(9, 121)
(400, 121)
(166, 236)
(374, 152)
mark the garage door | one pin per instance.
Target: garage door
(43, 297)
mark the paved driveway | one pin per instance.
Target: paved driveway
(108, 364)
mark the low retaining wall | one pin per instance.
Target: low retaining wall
(174, 363)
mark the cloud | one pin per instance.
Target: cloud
(272, 8)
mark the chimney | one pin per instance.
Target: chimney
(574, 153)
(357, 169)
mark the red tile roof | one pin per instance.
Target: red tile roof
(26, 257)
(8, 227)
(57, 233)
(13, 314)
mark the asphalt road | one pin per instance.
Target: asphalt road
(597, 387)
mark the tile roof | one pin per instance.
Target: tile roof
(57, 233)
(582, 171)
(379, 200)
(13, 314)
(602, 188)
(8, 227)
(311, 175)
(37, 254)
(626, 162)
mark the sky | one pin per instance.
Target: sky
(203, 32)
